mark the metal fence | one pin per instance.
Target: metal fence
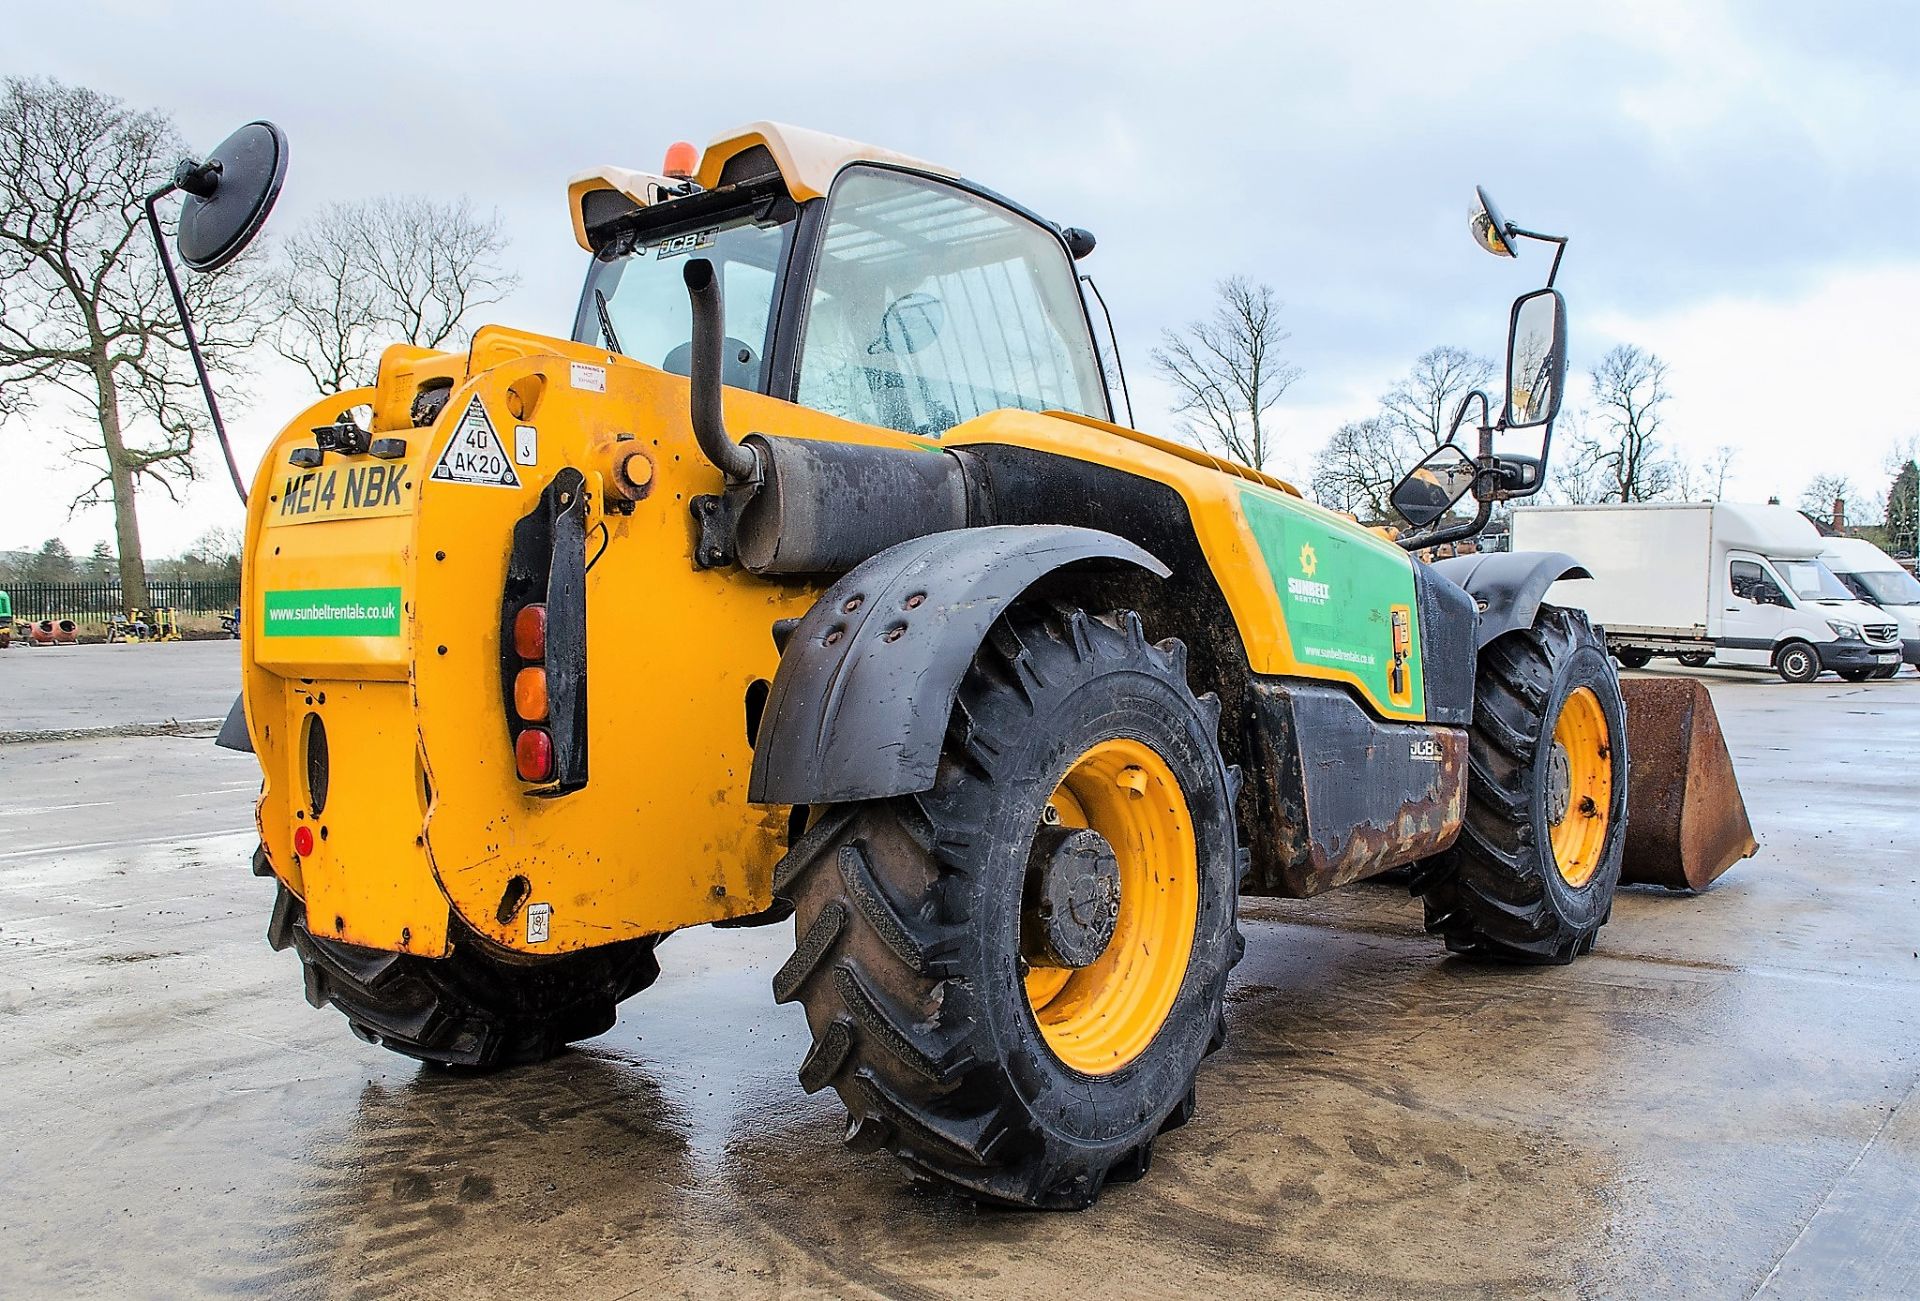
(96, 601)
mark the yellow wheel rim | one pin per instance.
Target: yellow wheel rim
(1102, 1016)
(1579, 787)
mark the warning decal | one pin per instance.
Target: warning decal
(474, 453)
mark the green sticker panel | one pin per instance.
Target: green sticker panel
(333, 612)
(1340, 590)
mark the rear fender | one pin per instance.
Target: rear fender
(859, 706)
(1508, 586)
(233, 733)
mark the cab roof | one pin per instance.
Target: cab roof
(806, 161)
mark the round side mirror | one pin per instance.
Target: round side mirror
(229, 195)
(1489, 227)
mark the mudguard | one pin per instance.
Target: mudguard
(233, 732)
(1508, 586)
(859, 707)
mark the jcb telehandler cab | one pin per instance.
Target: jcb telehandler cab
(812, 578)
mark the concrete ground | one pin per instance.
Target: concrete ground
(63, 688)
(1720, 1101)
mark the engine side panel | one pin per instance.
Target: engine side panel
(1344, 796)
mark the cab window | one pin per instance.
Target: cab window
(1751, 583)
(931, 306)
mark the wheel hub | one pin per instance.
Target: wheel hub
(1559, 783)
(1073, 898)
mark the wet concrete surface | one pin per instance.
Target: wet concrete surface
(1720, 1101)
(61, 688)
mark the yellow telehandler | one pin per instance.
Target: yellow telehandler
(813, 579)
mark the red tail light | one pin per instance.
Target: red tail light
(303, 840)
(533, 755)
(530, 632)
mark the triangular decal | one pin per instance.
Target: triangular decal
(474, 454)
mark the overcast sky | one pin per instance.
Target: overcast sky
(1741, 182)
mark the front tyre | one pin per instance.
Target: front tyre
(1011, 979)
(1797, 662)
(1532, 876)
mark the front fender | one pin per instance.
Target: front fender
(1508, 586)
(859, 706)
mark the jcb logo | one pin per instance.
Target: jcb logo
(1427, 751)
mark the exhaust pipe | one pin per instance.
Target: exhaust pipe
(738, 463)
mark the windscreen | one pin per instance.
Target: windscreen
(1812, 581)
(645, 299)
(932, 306)
(1884, 586)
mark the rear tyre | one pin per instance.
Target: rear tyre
(1797, 662)
(1634, 657)
(957, 1043)
(1532, 876)
(1885, 671)
(470, 1009)
(1695, 660)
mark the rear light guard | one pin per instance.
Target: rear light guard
(543, 640)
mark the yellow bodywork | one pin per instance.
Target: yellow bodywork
(424, 809)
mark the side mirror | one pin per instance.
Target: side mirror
(1536, 358)
(229, 195)
(1489, 227)
(1431, 487)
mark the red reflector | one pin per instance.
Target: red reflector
(530, 632)
(303, 841)
(533, 755)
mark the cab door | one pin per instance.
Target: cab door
(1756, 611)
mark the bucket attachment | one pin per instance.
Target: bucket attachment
(1686, 821)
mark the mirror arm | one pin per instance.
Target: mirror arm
(186, 324)
(1558, 241)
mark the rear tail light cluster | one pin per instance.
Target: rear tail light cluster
(533, 747)
(543, 640)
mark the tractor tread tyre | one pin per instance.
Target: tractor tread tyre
(1496, 893)
(903, 957)
(468, 1010)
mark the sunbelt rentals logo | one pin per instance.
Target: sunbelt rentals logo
(1307, 588)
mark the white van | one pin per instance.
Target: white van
(1877, 578)
(1712, 581)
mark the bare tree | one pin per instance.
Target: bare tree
(1421, 405)
(1358, 467)
(1823, 491)
(1227, 370)
(397, 269)
(1363, 459)
(84, 313)
(1629, 388)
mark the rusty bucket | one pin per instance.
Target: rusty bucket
(1686, 820)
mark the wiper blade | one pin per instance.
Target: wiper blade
(606, 322)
